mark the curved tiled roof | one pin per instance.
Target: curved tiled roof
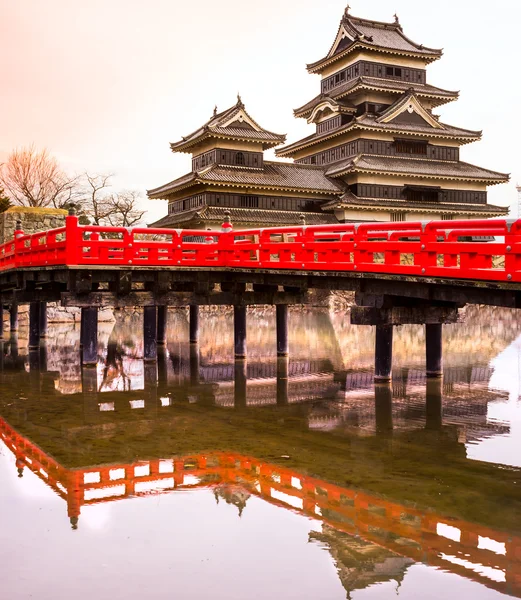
(220, 126)
(415, 167)
(375, 84)
(246, 215)
(366, 122)
(351, 201)
(373, 35)
(274, 175)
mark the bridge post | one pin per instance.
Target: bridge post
(82, 327)
(43, 319)
(13, 317)
(162, 314)
(282, 381)
(34, 325)
(383, 408)
(89, 336)
(194, 365)
(194, 324)
(433, 404)
(150, 333)
(383, 353)
(282, 329)
(162, 368)
(239, 326)
(433, 349)
(44, 354)
(151, 392)
(240, 383)
(89, 389)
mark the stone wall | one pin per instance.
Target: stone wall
(33, 220)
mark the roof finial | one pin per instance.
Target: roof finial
(346, 11)
(239, 100)
(396, 19)
(215, 110)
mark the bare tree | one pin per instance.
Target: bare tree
(33, 177)
(94, 201)
(5, 203)
(116, 209)
(126, 211)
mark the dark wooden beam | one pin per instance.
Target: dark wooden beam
(104, 299)
(403, 315)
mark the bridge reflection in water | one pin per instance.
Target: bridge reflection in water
(383, 469)
(490, 557)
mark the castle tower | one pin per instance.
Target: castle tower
(229, 173)
(376, 134)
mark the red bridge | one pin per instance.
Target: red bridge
(435, 249)
(401, 273)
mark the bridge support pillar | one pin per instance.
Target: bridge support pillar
(383, 353)
(162, 368)
(13, 317)
(162, 314)
(194, 324)
(282, 381)
(240, 382)
(82, 327)
(433, 347)
(89, 388)
(282, 330)
(239, 326)
(383, 407)
(194, 365)
(152, 401)
(433, 404)
(43, 319)
(150, 333)
(89, 336)
(34, 325)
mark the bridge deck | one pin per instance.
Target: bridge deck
(430, 261)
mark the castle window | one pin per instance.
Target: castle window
(398, 216)
(410, 147)
(389, 71)
(313, 160)
(446, 217)
(239, 158)
(397, 72)
(249, 201)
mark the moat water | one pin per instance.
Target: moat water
(201, 477)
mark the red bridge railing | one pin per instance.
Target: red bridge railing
(449, 249)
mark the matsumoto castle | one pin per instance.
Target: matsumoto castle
(378, 151)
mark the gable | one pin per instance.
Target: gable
(409, 110)
(413, 118)
(241, 119)
(342, 41)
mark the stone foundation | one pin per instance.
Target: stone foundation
(33, 220)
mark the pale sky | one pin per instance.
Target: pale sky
(106, 85)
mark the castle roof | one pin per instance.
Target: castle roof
(364, 34)
(245, 216)
(350, 201)
(415, 167)
(371, 123)
(375, 84)
(273, 176)
(232, 124)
